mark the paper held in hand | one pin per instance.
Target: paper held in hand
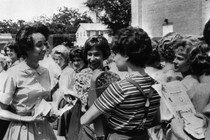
(180, 105)
(43, 108)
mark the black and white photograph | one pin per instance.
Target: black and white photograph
(104, 70)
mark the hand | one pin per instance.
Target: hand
(177, 128)
(204, 118)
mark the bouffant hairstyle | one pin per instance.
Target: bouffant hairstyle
(200, 59)
(24, 37)
(13, 46)
(61, 50)
(185, 45)
(206, 32)
(166, 46)
(134, 43)
(78, 52)
(99, 43)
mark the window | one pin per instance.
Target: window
(97, 32)
(88, 33)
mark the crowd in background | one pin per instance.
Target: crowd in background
(107, 87)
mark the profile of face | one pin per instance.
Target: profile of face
(39, 49)
(11, 54)
(180, 63)
(120, 62)
(78, 63)
(95, 59)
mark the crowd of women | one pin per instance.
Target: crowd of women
(101, 90)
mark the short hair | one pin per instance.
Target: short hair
(62, 50)
(78, 52)
(24, 37)
(155, 56)
(166, 46)
(99, 43)
(13, 46)
(134, 43)
(200, 59)
(185, 45)
(206, 32)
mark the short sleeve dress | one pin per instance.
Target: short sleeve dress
(23, 89)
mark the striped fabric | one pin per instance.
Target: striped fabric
(125, 105)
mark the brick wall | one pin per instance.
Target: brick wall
(187, 16)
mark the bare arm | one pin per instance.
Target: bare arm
(92, 113)
(5, 114)
(177, 129)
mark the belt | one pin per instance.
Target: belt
(130, 132)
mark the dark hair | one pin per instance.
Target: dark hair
(99, 43)
(206, 32)
(24, 37)
(13, 46)
(200, 59)
(134, 43)
(166, 46)
(155, 56)
(78, 52)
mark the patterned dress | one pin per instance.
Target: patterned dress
(82, 85)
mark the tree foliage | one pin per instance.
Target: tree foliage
(115, 14)
(63, 22)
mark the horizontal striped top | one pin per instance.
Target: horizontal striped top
(125, 106)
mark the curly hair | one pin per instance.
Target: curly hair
(166, 46)
(99, 43)
(200, 59)
(155, 56)
(185, 45)
(134, 43)
(206, 32)
(13, 46)
(24, 37)
(78, 52)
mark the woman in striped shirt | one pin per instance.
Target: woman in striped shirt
(130, 110)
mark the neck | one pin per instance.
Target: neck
(132, 68)
(31, 63)
(185, 73)
(64, 66)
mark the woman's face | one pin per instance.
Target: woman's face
(95, 59)
(39, 50)
(120, 62)
(78, 63)
(180, 63)
(11, 54)
(58, 58)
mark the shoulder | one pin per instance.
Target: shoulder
(107, 78)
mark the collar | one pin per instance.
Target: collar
(31, 71)
(204, 78)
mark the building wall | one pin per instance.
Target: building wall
(186, 16)
(80, 37)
